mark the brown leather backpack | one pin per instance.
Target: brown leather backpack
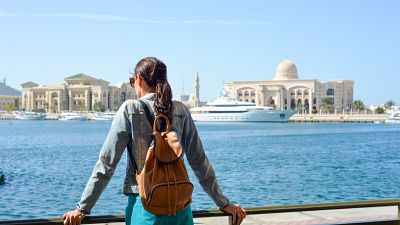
(164, 185)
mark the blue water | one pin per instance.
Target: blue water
(47, 164)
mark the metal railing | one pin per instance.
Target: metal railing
(250, 211)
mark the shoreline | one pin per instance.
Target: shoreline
(297, 118)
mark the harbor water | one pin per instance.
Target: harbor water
(47, 164)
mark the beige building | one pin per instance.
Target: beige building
(9, 95)
(79, 93)
(287, 91)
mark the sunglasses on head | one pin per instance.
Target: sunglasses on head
(132, 80)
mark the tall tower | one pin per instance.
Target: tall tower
(194, 99)
(197, 89)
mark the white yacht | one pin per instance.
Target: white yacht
(394, 115)
(227, 109)
(30, 115)
(106, 116)
(66, 116)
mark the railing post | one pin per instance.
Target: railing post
(398, 212)
(230, 220)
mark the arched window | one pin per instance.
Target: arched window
(246, 93)
(292, 104)
(298, 92)
(305, 92)
(252, 101)
(253, 93)
(299, 101)
(240, 94)
(306, 105)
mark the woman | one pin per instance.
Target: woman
(130, 129)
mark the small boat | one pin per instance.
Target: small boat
(68, 116)
(394, 115)
(106, 116)
(21, 115)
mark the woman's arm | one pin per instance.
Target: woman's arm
(202, 168)
(110, 154)
(206, 175)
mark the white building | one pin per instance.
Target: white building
(80, 92)
(287, 91)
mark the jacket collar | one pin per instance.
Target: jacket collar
(149, 97)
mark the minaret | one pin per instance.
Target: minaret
(197, 90)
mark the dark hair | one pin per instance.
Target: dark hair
(154, 73)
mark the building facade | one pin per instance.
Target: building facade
(287, 91)
(9, 96)
(79, 93)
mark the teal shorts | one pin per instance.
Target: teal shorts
(135, 214)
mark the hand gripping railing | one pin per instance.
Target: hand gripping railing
(250, 211)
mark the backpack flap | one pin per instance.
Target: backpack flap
(167, 148)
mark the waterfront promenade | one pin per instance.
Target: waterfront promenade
(344, 118)
(362, 213)
(341, 118)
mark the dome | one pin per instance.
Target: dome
(286, 70)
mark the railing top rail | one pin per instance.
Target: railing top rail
(216, 213)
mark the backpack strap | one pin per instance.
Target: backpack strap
(160, 126)
(149, 116)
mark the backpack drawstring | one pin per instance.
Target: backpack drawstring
(176, 184)
(169, 194)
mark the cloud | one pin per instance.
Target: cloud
(112, 18)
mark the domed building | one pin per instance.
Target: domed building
(287, 91)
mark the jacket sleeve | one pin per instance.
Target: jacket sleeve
(110, 154)
(202, 168)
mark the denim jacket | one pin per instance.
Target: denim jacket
(131, 130)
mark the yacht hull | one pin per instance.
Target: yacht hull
(251, 116)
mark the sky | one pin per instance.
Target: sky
(46, 41)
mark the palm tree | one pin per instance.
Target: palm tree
(389, 104)
(10, 107)
(379, 110)
(327, 105)
(99, 107)
(358, 105)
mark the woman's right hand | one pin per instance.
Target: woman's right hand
(73, 217)
(238, 213)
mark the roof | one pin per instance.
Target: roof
(6, 90)
(103, 81)
(80, 76)
(29, 84)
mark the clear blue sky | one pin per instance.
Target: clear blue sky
(46, 41)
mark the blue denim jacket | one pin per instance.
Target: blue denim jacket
(131, 130)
